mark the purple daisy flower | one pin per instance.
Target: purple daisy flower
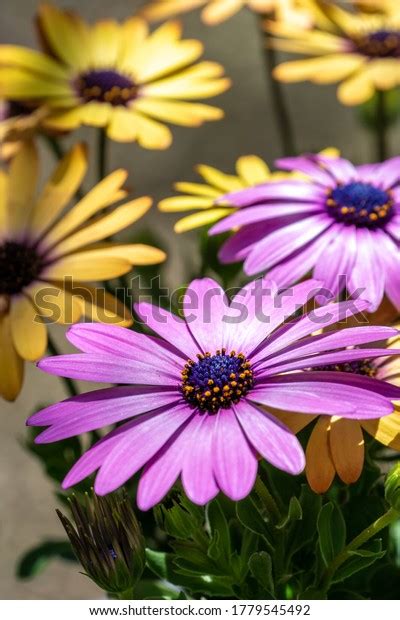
(197, 398)
(343, 220)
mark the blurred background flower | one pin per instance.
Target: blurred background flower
(111, 75)
(48, 255)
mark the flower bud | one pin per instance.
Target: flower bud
(107, 540)
(392, 487)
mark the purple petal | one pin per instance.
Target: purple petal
(138, 445)
(316, 319)
(197, 471)
(162, 471)
(342, 170)
(205, 307)
(354, 398)
(272, 439)
(254, 215)
(107, 369)
(367, 270)
(123, 342)
(302, 262)
(73, 417)
(169, 326)
(280, 244)
(340, 339)
(335, 263)
(390, 258)
(387, 174)
(307, 166)
(282, 190)
(235, 464)
(268, 367)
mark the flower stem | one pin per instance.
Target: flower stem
(381, 126)
(281, 111)
(101, 154)
(370, 531)
(69, 384)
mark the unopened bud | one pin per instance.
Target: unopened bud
(107, 540)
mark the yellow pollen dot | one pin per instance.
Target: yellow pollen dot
(216, 389)
(226, 388)
(207, 394)
(344, 210)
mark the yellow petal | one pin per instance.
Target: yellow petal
(100, 306)
(64, 120)
(150, 133)
(323, 70)
(11, 364)
(178, 112)
(163, 53)
(202, 78)
(29, 333)
(134, 32)
(295, 421)
(96, 114)
(66, 34)
(55, 303)
(105, 43)
(320, 470)
(105, 226)
(59, 189)
(122, 127)
(196, 189)
(185, 203)
(25, 58)
(220, 10)
(347, 448)
(163, 9)
(252, 170)
(224, 182)
(356, 89)
(87, 266)
(386, 430)
(202, 218)
(22, 179)
(102, 194)
(137, 253)
(16, 83)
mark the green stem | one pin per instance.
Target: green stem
(279, 105)
(101, 154)
(266, 497)
(370, 531)
(69, 384)
(381, 126)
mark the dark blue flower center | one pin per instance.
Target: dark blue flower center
(383, 43)
(360, 204)
(106, 86)
(19, 266)
(216, 381)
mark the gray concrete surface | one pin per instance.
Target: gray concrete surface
(27, 503)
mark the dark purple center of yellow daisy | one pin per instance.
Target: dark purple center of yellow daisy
(360, 204)
(216, 381)
(19, 266)
(380, 44)
(106, 86)
(358, 367)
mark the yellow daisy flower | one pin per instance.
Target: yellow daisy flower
(250, 170)
(49, 256)
(117, 76)
(358, 48)
(336, 445)
(216, 11)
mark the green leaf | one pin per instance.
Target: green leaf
(221, 539)
(150, 589)
(360, 559)
(331, 532)
(295, 513)
(248, 514)
(260, 565)
(304, 531)
(34, 561)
